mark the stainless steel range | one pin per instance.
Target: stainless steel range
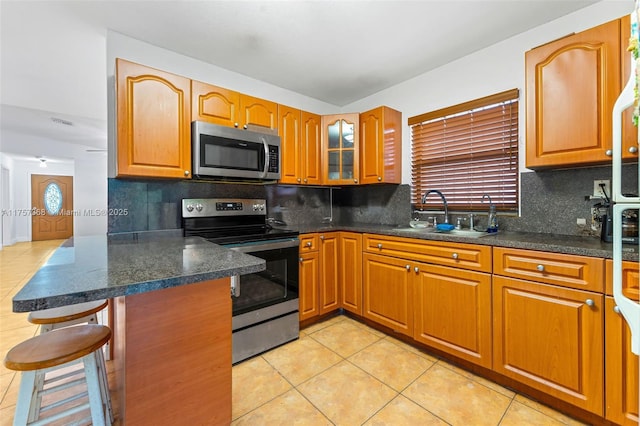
(265, 304)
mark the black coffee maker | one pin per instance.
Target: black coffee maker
(629, 225)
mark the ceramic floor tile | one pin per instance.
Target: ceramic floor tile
(519, 414)
(323, 324)
(289, 409)
(488, 383)
(550, 412)
(301, 359)
(254, 383)
(391, 364)
(457, 399)
(412, 349)
(344, 338)
(346, 394)
(402, 411)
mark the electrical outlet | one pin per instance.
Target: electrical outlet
(597, 189)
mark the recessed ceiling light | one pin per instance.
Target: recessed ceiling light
(61, 121)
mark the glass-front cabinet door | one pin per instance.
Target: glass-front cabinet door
(340, 145)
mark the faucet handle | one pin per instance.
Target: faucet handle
(459, 222)
(472, 217)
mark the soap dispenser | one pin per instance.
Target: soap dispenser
(492, 223)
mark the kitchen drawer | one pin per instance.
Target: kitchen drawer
(309, 242)
(630, 281)
(581, 272)
(458, 255)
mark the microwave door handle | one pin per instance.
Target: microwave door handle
(266, 158)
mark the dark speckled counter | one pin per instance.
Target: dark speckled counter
(92, 268)
(584, 246)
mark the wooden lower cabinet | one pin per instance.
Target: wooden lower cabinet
(621, 370)
(308, 284)
(550, 338)
(329, 281)
(350, 271)
(452, 311)
(388, 292)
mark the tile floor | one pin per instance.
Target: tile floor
(340, 372)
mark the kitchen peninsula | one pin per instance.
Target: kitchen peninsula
(172, 318)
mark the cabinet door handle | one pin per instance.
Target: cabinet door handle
(355, 180)
(616, 309)
(380, 246)
(379, 178)
(608, 153)
(300, 259)
(186, 172)
(407, 267)
(305, 181)
(589, 302)
(308, 244)
(454, 255)
(322, 237)
(540, 268)
(633, 149)
(416, 269)
(235, 124)
(298, 180)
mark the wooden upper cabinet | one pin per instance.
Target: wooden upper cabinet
(340, 149)
(629, 130)
(214, 104)
(300, 146)
(290, 146)
(380, 146)
(311, 152)
(258, 112)
(571, 86)
(153, 122)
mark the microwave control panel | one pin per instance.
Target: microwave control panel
(274, 159)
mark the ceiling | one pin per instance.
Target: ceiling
(334, 51)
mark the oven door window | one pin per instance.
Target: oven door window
(223, 153)
(276, 284)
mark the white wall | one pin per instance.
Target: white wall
(494, 69)
(120, 46)
(89, 184)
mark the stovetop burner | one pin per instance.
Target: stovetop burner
(230, 221)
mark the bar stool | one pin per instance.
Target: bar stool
(51, 319)
(53, 351)
(65, 316)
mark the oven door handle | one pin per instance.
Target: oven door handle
(256, 247)
(235, 286)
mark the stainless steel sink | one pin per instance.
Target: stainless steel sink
(469, 233)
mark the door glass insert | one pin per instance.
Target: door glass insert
(334, 135)
(53, 198)
(334, 165)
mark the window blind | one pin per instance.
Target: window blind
(466, 151)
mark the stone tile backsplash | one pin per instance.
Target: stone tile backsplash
(551, 202)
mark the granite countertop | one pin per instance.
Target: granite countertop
(583, 246)
(83, 269)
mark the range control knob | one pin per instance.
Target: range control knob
(199, 207)
(189, 208)
(258, 207)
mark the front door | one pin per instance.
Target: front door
(51, 207)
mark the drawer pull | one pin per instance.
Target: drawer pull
(589, 302)
(380, 246)
(322, 237)
(616, 309)
(416, 269)
(300, 259)
(407, 267)
(540, 268)
(308, 244)
(454, 255)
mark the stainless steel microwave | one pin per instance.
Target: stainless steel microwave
(228, 152)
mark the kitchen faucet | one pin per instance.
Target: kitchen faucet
(444, 201)
(492, 221)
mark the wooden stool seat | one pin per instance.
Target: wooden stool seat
(66, 313)
(56, 350)
(56, 347)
